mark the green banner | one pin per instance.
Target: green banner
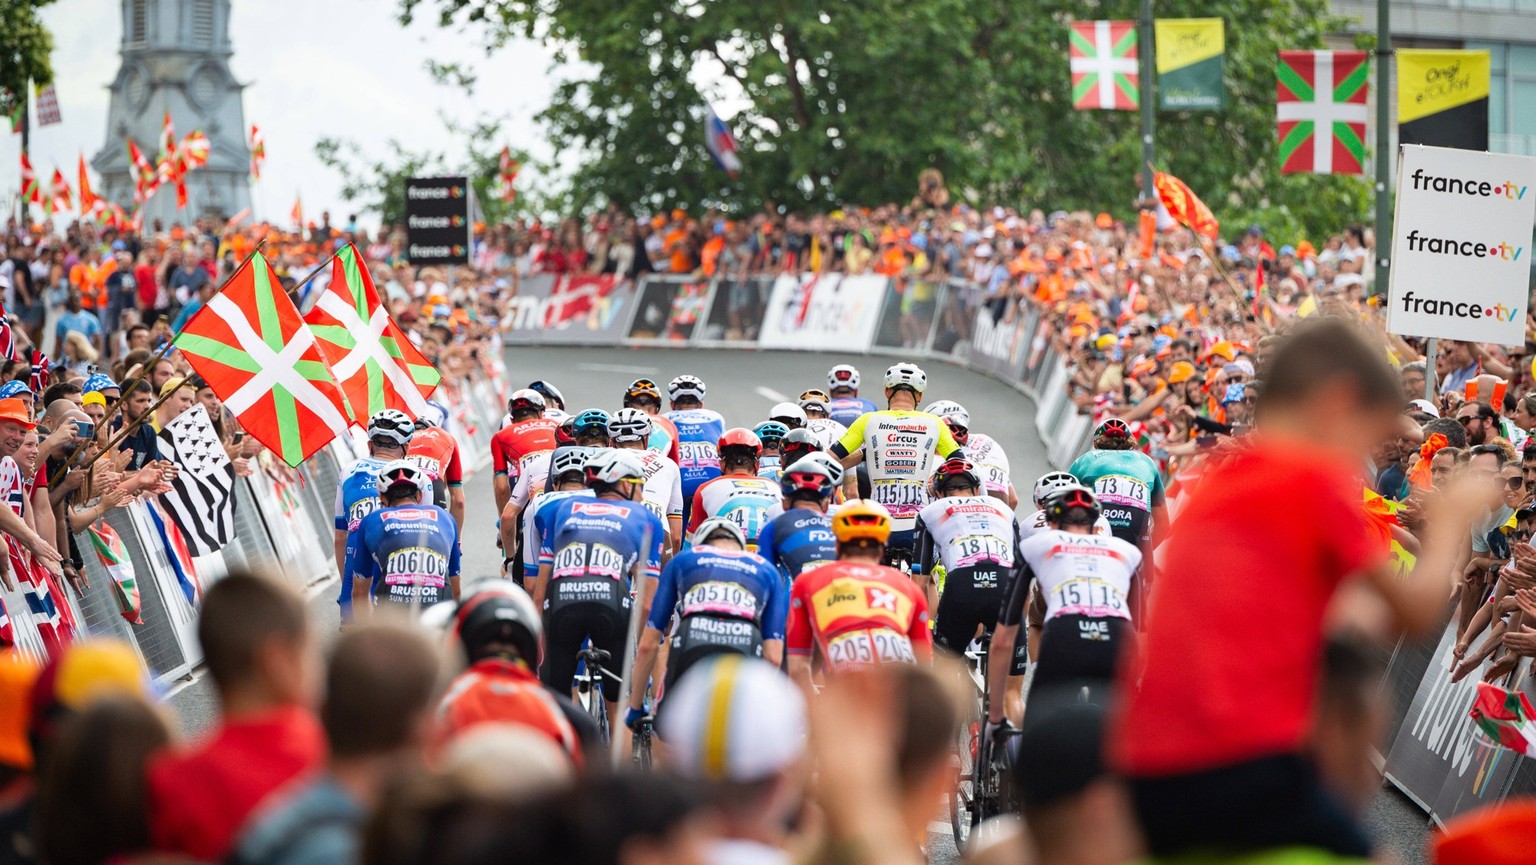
(1189, 64)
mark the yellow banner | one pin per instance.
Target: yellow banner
(1429, 82)
(1185, 41)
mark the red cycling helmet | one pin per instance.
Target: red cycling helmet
(741, 437)
(954, 468)
(565, 433)
(1113, 427)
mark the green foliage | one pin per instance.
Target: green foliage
(24, 48)
(849, 101)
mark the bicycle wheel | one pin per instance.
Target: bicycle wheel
(962, 799)
(643, 747)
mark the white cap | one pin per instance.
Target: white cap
(733, 718)
(1426, 407)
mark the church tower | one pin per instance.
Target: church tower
(175, 57)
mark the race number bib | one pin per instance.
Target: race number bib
(588, 560)
(416, 566)
(974, 549)
(874, 646)
(903, 498)
(1089, 596)
(1124, 491)
(361, 508)
(723, 598)
(697, 455)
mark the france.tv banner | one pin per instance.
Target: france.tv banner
(1461, 245)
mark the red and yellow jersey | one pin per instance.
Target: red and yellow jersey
(858, 614)
(437, 452)
(513, 445)
(495, 691)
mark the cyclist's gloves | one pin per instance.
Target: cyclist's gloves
(633, 717)
(1000, 732)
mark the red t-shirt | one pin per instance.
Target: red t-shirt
(1235, 628)
(199, 798)
(512, 444)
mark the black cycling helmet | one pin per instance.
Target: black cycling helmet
(501, 612)
(1068, 498)
(551, 394)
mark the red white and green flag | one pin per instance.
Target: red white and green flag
(1506, 717)
(253, 348)
(114, 557)
(1104, 59)
(371, 356)
(31, 190)
(1320, 104)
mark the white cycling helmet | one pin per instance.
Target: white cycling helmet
(788, 414)
(685, 385)
(828, 464)
(1050, 482)
(950, 410)
(629, 425)
(393, 425)
(397, 472)
(526, 399)
(843, 375)
(610, 465)
(568, 458)
(715, 525)
(906, 375)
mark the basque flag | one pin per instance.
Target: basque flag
(721, 143)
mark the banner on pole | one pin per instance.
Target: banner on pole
(1320, 106)
(437, 220)
(1442, 98)
(1190, 54)
(1103, 57)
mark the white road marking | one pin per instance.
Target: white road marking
(771, 395)
(615, 367)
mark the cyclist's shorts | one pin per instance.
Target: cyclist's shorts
(578, 608)
(700, 636)
(971, 599)
(1074, 648)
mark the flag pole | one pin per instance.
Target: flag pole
(1148, 116)
(127, 430)
(1383, 230)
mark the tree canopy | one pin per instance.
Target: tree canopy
(24, 48)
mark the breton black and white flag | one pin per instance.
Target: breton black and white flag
(201, 499)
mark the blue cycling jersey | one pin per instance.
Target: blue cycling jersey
(537, 525)
(770, 466)
(847, 409)
(730, 583)
(601, 538)
(796, 540)
(408, 552)
(698, 439)
(357, 495)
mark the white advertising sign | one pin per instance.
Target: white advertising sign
(1461, 245)
(823, 312)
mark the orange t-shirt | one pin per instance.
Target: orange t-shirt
(91, 281)
(676, 244)
(496, 691)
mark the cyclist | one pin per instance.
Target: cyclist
(771, 433)
(846, 406)
(855, 612)
(698, 435)
(814, 403)
(1037, 522)
(982, 450)
(500, 629)
(512, 446)
(643, 394)
(800, 443)
(800, 536)
(589, 429)
(552, 407)
(357, 493)
(900, 446)
(1086, 583)
(568, 479)
(1125, 481)
(437, 452)
(725, 599)
(739, 494)
(585, 564)
(630, 429)
(974, 537)
(788, 414)
(407, 551)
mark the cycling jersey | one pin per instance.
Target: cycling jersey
(536, 525)
(498, 691)
(511, 447)
(826, 430)
(858, 614)
(1084, 580)
(357, 496)
(742, 499)
(663, 492)
(698, 439)
(437, 452)
(532, 480)
(991, 463)
(975, 538)
(725, 601)
(1127, 484)
(796, 540)
(408, 552)
(847, 409)
(900, 451)
(663, 437)
(770, 466)
(1037, 522)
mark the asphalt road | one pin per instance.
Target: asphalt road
(742, 385)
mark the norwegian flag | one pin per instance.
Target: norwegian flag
(7, 340)
(720, 142)
(42, 374)
(48, 107)
(7, 635)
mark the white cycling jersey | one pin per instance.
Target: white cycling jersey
(1085, 575)
(900, 449)
(531, 534)
(1036, 523)
(990, 461)
(968, 531)
(826, 430)
(532, 478)
(663, 492)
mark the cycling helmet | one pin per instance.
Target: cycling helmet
(611, 466)
(716, 525)
(500, 612)
(906, 375)
(809, 475)
(629, 425)
(526, 399)
(949, 410)
(771, 433)
(591, 421)
(814, 400)
(828, 462)
(1051, 482)
(954, 468)
(843, 375)
(435, 415)
(1112, 427)
(788, 414)
(1060, 501)
(567, 459)
(550, 394)
(565, 433)
(740, 437)
(799, 443)
(685, 386)
(391, 426)
(401, 473)
(642, 387)
(862, 519)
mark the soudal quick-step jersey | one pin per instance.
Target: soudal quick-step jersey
(409, 553)
(602, 538)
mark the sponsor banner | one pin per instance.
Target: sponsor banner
(736, 311)
(1189, 63)
(668, 309)
(999, 348)
(1442, 98)
(569, 309)
(437, 223)
(1461, 245)
(907, 319)
(823, 311)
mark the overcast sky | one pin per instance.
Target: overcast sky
(351, 72)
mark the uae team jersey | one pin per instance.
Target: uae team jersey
(1127, 484)
(1078, 575)
(1036, 523)
(409, 552)
(663, 437)
(847, 409)
(436, 451)
(663, 492)
(698, 440)
(731, 584)
(858, 615)
(900, 451)
(991, 463)
(744, 500)
(968, 532)
(797, 540)
(826, 430)
(536, 525)
(512, 446)
(601, 538)
(357, 496)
